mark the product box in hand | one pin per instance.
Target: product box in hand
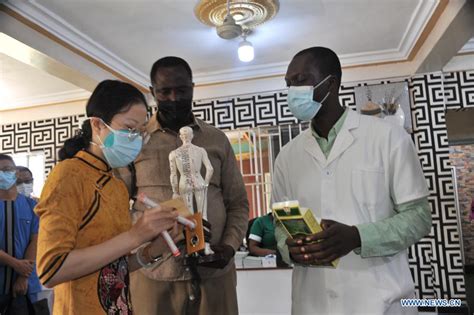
(297, 221)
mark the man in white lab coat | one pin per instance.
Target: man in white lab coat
(362, 177)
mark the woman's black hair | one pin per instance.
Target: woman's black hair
(109, 98)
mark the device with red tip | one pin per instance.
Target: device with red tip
(166, 236)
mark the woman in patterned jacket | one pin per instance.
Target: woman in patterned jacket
(86, 235)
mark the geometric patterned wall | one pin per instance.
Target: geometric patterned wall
(441, 250)
(459, 89)
(46, 135)
(435, 261)
(245, 111)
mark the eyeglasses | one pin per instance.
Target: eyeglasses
(132, 134)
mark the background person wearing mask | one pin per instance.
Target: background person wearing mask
(19, 234)
(24, 181)
(172, 288)
(85, 235)
(362, 176)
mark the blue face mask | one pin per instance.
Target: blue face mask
(301, 103)
(7, 179)
(121, 147)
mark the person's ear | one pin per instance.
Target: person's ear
(334, 83)
(96, 124)
(152, 91)
(331, 81)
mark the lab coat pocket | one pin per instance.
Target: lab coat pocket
(368, 187)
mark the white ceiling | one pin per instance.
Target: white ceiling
(142, 31)
(130, 35)
(22, 85)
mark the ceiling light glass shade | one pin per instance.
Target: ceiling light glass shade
(238, 16)
(245, 51)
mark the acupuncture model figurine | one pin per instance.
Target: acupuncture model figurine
(187, 160)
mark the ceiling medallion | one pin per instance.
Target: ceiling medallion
(247, 13)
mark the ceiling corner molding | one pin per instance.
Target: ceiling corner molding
(419, 20)
(240, 73)
(58, 27)
(418, 23)
(46, 99)
(371, 57)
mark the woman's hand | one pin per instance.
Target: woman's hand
(158, 246)
(152, 223)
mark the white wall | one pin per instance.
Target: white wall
(43, 112)
(263, 291)
(460, 63)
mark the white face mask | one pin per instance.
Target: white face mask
(25, 189)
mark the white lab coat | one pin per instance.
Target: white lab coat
(372, 166)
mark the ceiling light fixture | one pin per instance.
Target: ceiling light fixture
(229, 29)
(237, 18)
(247, 13)
(246, 51)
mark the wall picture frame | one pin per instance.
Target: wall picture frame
(389, 101)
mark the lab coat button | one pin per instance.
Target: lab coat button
(332, 294)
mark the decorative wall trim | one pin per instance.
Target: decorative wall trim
(459, 89)
(243, 73)
(426, 29)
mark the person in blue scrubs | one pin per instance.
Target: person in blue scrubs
(19, 233)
